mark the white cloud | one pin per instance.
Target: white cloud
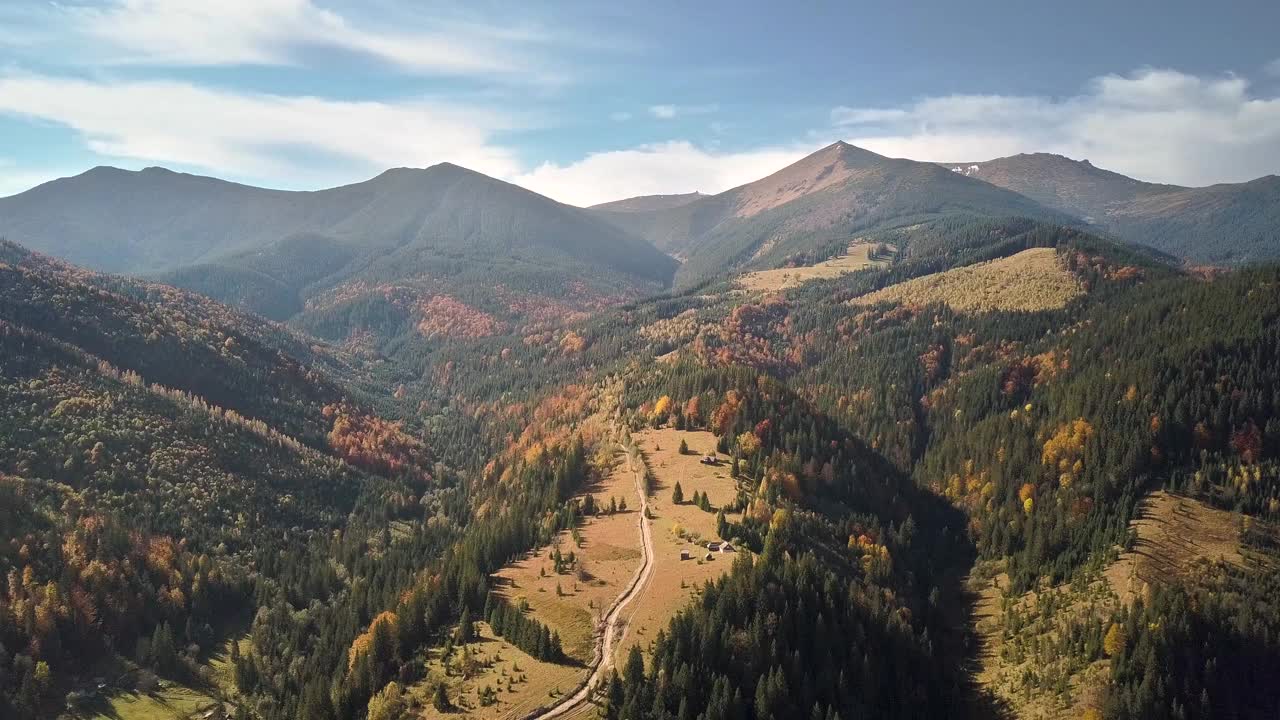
(279, 32)
(673, 167)
(1158, 125)
(257, 135)
(670, 112)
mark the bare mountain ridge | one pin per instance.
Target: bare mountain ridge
(1229, 223)
(821, 199)
(642, 203)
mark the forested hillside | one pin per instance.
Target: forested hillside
(160, 458)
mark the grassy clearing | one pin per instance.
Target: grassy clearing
(163, 704)
(857, 257)
(608, 555)
(521, 684)
(167, 699)
(1174, 534)
(675, 582)
(1031, 280)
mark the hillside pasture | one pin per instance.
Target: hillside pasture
(857, 257)
(608, 555)
(1030, 281)
(520, 683)
(676, 582)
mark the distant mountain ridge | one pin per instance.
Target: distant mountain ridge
(415, 234)
(819, 201)
(157, 220)
(1229, 223)
(642, 203)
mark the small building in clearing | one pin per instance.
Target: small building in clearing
(726, 548)
(713, 546)
(684, 554)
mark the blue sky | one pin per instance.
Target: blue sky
(588, 102)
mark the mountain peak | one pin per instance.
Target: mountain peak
(825, 168)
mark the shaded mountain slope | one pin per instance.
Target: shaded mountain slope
(270, 251)
(1230, 223)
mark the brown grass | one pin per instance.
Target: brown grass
(675, 582)
(1174, 534)
(1030, 280)
(534, 686)
(609, 555)
(857, 257)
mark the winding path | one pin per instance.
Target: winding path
(614, 625)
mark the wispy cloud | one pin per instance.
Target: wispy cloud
(1159, 125)
(670, 112)
(258, 135)
(1273, 67)
(281, 32)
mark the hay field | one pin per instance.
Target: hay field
(608, 557)
(857, 257)
(1031, 280)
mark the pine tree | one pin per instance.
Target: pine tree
(466, 628)
(440, 699)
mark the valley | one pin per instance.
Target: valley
(494, 456)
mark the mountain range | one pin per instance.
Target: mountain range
(444, 251)
(392, 252)
(819, 201)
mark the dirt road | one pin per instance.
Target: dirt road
(614, 624)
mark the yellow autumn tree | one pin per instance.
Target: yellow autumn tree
(748, 443)
(1065, 449)
(1115, 640)
(361, 644)
(662, 407)
(387, 703)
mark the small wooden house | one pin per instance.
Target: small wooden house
(684, 554)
